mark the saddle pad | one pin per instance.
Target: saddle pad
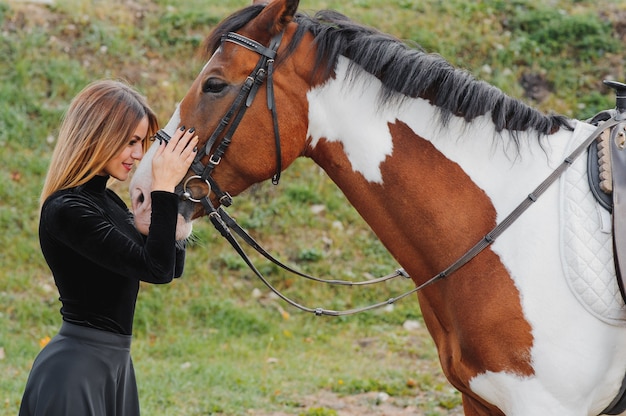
(587, 247)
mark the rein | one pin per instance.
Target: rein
(226, 225)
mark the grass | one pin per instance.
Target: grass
(215, 341)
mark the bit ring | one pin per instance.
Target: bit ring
(188, 195)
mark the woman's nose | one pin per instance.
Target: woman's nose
(137, 152)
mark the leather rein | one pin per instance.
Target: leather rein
(226, 225)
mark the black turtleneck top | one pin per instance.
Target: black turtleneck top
(98, 257)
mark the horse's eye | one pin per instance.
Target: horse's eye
(213, 86)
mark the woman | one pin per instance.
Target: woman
(95, 253)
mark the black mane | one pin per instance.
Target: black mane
(405, 70)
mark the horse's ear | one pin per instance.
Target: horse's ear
(276, 15)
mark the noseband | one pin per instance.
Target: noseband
(264, 70)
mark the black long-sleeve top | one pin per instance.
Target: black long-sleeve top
(98, 257)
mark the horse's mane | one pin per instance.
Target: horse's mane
(409, 71)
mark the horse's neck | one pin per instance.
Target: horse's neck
(408, 175)
(346, 110)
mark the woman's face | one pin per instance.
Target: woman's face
(119, 166)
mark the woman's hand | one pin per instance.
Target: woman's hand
(172, 160)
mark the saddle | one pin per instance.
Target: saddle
(606, 163)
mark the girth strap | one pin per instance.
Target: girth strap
(617, 144)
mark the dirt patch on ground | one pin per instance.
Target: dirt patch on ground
(367, 404)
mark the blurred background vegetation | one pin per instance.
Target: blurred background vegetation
(215, 342)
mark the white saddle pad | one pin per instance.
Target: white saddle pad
(587, 247)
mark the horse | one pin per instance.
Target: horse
(434, 160)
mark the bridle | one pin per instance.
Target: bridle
(226, 225)
(264, 70)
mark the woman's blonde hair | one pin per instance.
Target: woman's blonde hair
(97, 126)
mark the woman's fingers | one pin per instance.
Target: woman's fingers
(172, 161)
(181, 140)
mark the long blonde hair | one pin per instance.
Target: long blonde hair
(96, 127)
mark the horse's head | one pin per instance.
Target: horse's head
(247, 73)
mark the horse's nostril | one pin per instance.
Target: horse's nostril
(141, 198)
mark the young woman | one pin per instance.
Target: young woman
(96, 255)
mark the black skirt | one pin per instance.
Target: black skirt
(82, 372)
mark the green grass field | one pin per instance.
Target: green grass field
(215, 341)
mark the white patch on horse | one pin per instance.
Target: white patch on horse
(343, 113)
(172, 125)
(512, 394)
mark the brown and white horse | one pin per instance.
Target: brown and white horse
(432, 159)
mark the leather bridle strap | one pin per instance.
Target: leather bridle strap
(253, 45)
(232, 224)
